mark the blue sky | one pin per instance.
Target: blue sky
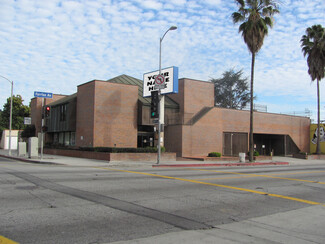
(54, 46)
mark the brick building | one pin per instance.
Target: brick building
(114, 113)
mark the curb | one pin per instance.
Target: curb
(28, 160)
(165, 165)
(219, 164)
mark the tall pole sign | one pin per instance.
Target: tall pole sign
(161, 80)
(164, 81)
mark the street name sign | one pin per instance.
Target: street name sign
(43, 94)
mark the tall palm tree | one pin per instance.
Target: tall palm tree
(313, 46)
(256, 18)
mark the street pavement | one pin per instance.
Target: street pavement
(286, 227)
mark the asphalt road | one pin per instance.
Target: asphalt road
(65, 204)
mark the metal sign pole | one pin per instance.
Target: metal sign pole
(159, 94)
(42, 95)
(159, 128)
(42, 111)
(159, 117)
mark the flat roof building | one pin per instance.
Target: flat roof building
(114, 113)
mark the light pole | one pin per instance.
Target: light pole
(161, 99)
(10, 119)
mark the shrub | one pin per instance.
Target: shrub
(29, 131)
(122, 150)
(214, 154)
(256, 153)
(109, 149)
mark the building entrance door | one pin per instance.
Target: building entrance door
(234, 143)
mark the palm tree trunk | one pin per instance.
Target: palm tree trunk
(318, 120)
(251, 127)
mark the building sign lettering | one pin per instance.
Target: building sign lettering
(171, 81)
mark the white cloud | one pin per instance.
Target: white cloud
(57, 45)
(213, 2)
(150, 4)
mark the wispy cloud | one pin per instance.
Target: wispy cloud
(56, 45)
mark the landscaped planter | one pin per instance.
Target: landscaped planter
(262, 157)
(256, 158)
(143, 157)
(309, 157)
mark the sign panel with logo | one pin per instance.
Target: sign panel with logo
(167, 81)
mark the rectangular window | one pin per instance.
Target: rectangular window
(61, 138)
(67, 138)
(56, 138)
(73, 139)
(63, 112)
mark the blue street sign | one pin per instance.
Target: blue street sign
(43, 94)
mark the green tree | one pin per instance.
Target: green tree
(256, 18)
(231, 91)
(29, 131)
(19, 111)
(313, 46)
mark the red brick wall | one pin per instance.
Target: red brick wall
(207, 134)
(85, 115)
(186, 140)
(115, 113)
(144, 157)
(173, 139)
(197, 95)
(179, 97)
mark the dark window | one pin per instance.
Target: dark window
(63, 112)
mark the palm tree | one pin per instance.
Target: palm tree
(256, 17)
(313, 46)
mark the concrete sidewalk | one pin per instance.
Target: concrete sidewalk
(72, 161)
(300, 226)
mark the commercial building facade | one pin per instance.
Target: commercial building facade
(114, 113)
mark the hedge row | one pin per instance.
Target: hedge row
(122, 150)
(112, 149)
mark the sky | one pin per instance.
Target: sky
(54, 46)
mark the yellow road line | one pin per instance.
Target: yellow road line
(4, 240)
(218, 185)
(298, 173)
(256, 175)
(226, 177)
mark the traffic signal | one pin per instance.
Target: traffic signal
(47, 111)
(154, 111)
